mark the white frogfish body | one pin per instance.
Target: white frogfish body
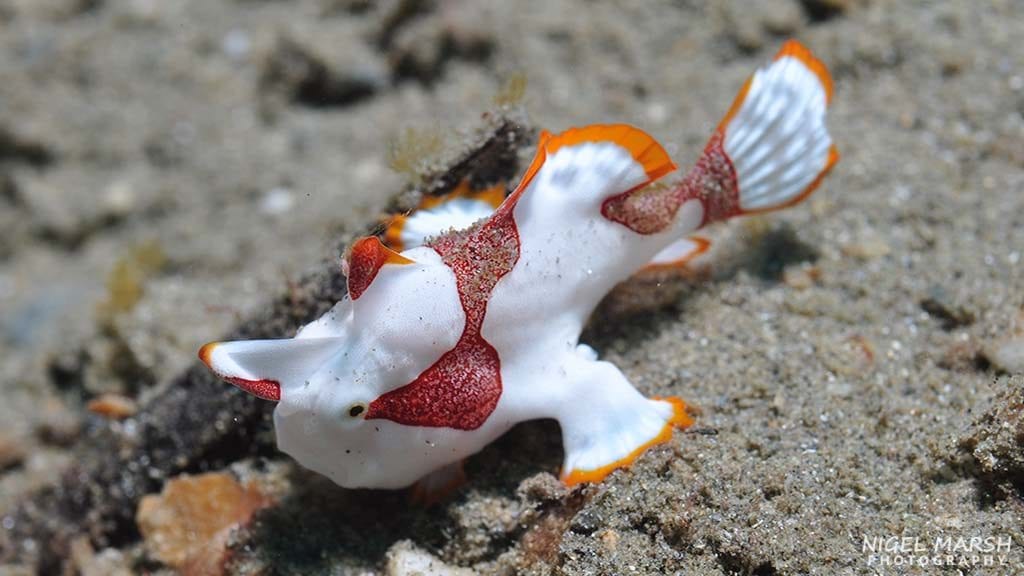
(444, 345)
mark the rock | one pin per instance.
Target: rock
(820, 10)
(57, 10)
(423, 50)
(963, 356)
(781, 17)
(995, 441)
(483, 523)
(16, 146)
(849, 357)
(802, 276)
(188, 524)
(867, 249)
(109, 562)
(945, 307)
(67, 206)
(748, 22)
(277, 201)
(57, 425)
(587, 522)
(11, 453)
(301, 74)
(610, 540)
(542, 488)
(1006, 355)
(407, 559)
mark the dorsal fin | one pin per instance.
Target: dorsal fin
(435, 215)
(794, 49)
(644, 149)
(365, 258)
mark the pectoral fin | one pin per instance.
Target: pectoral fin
(678, 254)
(609, 424)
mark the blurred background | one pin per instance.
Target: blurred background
(168, 168)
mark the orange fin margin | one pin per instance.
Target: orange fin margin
(644, 149)
(802, 53)
(680, 419)
(793, 49)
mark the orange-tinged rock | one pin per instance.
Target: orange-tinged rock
(188, 524)
(112, 406)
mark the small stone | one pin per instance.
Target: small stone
(801, 277)
(120, 198)
(11, 453)
(610, 540)
(825, 9)
(236, 44)
(407, 559)
(57, 10)
(747, 35)
(945, 307)
(423, 49)
(113, 406)
(1007, 355)
(277, 201)
(587, 522)
(109, 562)
(867, 249)
(962, 356)
(58, 425)
(302, 74)
(542, 487)
(781, 17)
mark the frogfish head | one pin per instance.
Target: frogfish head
(326, 379)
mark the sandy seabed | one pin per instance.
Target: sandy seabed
(171, 172)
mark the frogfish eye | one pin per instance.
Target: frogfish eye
(356, 410)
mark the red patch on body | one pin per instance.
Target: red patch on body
(713, 182)
(651, 209)
(462, 388)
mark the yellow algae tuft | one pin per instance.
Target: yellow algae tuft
(413, 151)
(126, 279)
(512, 90)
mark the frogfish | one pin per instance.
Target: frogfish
(465, 320)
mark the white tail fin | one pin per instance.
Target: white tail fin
(775, 133)
(772, 148)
